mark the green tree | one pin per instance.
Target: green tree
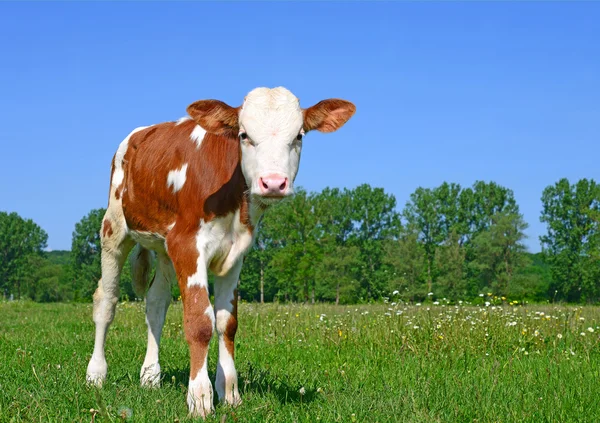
(338, 265)
(532, 282)
(406, 259)
(447, 220)
(336, 274)
(480, 206)
(500, 253)
(289, 229)
(488, 199)
(19, 240)
(434, 214)
(47, 281)
(375, 220)
(571, 244)
(450, 264)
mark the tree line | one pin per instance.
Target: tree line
(354, 245)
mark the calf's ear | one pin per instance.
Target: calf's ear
(215, 116)
(328, 115)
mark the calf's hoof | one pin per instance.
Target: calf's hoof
(96, 372)
(200, 400)
(150, 376)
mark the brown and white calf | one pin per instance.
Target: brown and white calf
(193, 192)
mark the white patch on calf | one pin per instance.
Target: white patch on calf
(220, 244)
(200, 393)
(198, 135)
(226, 370)
(210, 312)
(183, 119)
(207, 240)
(118, 175)
(176, 178)
(234, 245)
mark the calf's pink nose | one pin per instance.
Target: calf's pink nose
(274, 185)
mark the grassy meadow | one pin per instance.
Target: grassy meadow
(377, 363)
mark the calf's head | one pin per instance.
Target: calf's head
(270, 126)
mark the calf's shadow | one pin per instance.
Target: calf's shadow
(251, 379)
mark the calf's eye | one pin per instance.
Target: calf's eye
(243, 136)
(299, 137)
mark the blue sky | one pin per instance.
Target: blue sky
(458, 92)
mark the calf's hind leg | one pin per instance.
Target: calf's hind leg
(115, 248)
(157, 303)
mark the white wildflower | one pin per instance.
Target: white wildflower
(125, 413)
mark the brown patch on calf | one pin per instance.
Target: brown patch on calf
(245, 212)
(198, 326)
(215, 116)
(231, 328)
(214, 185)
(107, 230)
(181, 242)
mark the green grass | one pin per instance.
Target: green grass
(380, 363)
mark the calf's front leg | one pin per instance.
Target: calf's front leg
(198, 323)
(198, 319)
(226, 382)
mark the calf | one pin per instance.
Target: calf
(193, 192)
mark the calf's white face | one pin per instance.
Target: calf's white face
(270, 126)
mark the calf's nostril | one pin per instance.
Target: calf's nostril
(282, 186)
(264, 184)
